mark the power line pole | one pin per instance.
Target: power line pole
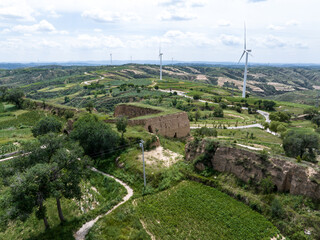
(144, 171)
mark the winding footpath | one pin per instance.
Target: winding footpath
(83, 231)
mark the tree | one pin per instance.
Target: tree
(196, 97)
(15, 96)
(310, 112)
(268, 105)
(301, 144)
(218, 112)
(54, 167)
(96, 137)
(28, 192)
(89, 106)
(280, 117)
(316, 120)
(66, 99)
(174, 102)
(156, 87)
(197, 115)
(46, 125)
(121, 124)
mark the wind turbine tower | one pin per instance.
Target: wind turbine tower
(160, 56)
(110, 58)
(245, 52)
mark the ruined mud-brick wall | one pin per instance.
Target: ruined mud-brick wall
(133, 111)
(286, 175)
(171, 125)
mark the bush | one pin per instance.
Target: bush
(204, 131)
(223, 105)
(267, 185)
(264, 155)
(196, 97)
(277, 209)
(218, 112)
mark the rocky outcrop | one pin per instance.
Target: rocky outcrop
(174, 125)
(287, 175)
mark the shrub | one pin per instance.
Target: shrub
(218, 112)
(277, 209)
(204, 131)
(266, 185)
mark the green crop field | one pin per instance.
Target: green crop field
(194, 211)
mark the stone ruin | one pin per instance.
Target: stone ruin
(175, 125)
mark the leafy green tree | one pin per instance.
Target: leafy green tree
(301, 144)
(197, 115)
(218, 112)
(53, 167)
(274, 126)
(96, 137)
(268, 105)
(46, 125)
(156, 87)
(15, 96)
(89, 106)
(196, 97)
(280, 117)
(316, 120)
(310, 112)
(122, 123)
(28, 192)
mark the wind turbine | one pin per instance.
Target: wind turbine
(160, 56)
(110, 58)
(245, 52)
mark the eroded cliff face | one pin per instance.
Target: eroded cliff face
(286, 175)
(133, 111)
(175, 125)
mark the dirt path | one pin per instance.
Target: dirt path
(149, 233)
(83, 231)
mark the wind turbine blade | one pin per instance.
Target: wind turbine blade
(245, 37)
(241, 56)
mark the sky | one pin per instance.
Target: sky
(278, 31)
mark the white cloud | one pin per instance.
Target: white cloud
(177, 15)
(275, 27)
(230, 40)
(43, 26)
(51, 12)
(274, 42)
(224, 23)
(102, 16)
(184, 3)
(292, 23)
(22, 13)
(97, 42)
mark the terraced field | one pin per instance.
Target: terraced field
(193, 211)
